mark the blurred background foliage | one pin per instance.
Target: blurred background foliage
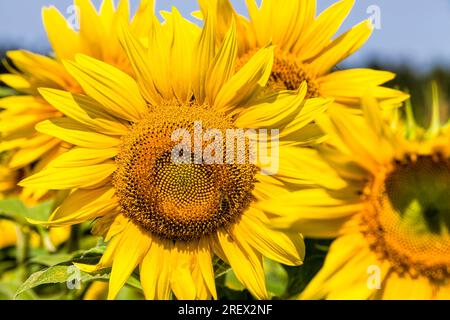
(418, 85)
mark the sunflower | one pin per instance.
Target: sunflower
(389, 209)
(172, 218)
(306, 50)
(96, 37)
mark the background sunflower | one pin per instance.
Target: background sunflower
(391, 212)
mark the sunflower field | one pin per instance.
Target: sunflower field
(224, 155)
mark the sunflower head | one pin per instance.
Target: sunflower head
(407, 221)
(288, 73)
(383, 186)
(408, 200)
(179, 201)
(307, 48)
(151, 158)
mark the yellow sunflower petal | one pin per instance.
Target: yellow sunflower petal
(112, 88)
(91, 28)
(349, 86)
(444, 293)
(138, 57)
(204, 57)
(223, 66)
(8, 232)
(339, 268)
(275, 245)
(16, 82)
(181, 58)
(313, 168)
(70, 178)
(64, 40)
(312, 108)
(300, 22)
(275, 111)
(261, 19)
(342, 47)
(72, 132)
(25, 156)
(132, 248)
(313, 212)
(205, 262)
(82, 205)
(84, 110)
(182, 281)
(107, 258)
(140, 24)
(247, 82)
(245, 261)
(155, 271)
(358, 137)
(79, 157)
(45, 71)
(23, 125)
(323, 29)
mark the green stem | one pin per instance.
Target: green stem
(74, 241)
(23, 247)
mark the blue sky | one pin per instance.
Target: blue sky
(416, 32)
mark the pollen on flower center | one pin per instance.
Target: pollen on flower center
(178, 201)
(287, 73)
(408, 216)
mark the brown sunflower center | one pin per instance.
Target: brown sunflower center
(179, 200)
(408, 219)
(288, 73)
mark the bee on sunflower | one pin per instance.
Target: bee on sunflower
(167, 218)
(29, 151)
(390, 214)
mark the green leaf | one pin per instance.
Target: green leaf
(5, 92)
(59, 274)
(299, 277)
(71, 275)
(9, 288)
(277, 278)
(6, 265)
(40, 212)
(15, 209)
(82, 256)
(130, 293)
(9, 283)
(232, 282)
(96, 251)
(50, 260)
